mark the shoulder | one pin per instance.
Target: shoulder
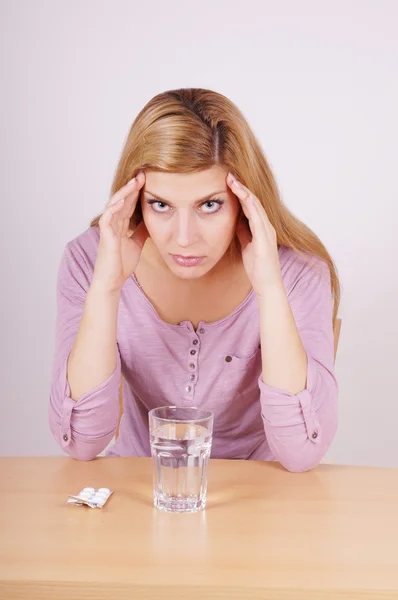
(83, 249)
(302, 269)
(78, 260)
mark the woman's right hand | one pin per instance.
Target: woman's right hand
(119, 248)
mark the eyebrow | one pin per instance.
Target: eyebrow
(196, 202)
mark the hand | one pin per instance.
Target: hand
(258, 240)
(119, 248)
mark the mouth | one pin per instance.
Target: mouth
(187, 261)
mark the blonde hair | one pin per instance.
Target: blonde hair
(192, 129)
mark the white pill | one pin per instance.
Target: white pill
(104, 490)
(101, 498)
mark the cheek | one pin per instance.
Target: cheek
(154, 225)
(221, 232)
(231, 217)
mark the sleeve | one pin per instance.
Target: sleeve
(301, 427)
(82, 428)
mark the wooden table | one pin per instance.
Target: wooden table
(266, 533)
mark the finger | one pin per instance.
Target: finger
(243, 193)
(268, 228)
(122, 205)
(107, 215)
(246, 200)
(124, 208)
(129, 206)
(140, 235)
(128, 225)
(113, 218)
(133, 198)
(243, 232)
(123, 193)
(235, 184)
(131, 187)
(261, 210)
(251, 205)
(245, 206)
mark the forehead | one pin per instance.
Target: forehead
(186, 186)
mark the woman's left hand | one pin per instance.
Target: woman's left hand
(258, 241)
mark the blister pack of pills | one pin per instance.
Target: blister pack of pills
(89, 496)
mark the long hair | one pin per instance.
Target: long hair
(192, 129)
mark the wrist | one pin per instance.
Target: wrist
(274, 290)
(97, 290)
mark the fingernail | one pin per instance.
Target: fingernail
(131, 181)
(234, 182)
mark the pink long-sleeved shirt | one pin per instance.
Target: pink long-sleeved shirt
(217, 367)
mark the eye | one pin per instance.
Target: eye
(158, 206)
(211, 206)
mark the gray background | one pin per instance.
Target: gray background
(317, 81)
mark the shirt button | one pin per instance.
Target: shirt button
(201, 330)
(191, 365)
(65, 437)
(192, 378)
(228, 358)
(188, 388)
(195, 342)
(314, 435)
(193, 352)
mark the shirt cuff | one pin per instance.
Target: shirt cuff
(286, 412)
(95, 414)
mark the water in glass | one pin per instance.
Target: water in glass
(180, 453)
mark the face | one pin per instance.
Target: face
(191, 218)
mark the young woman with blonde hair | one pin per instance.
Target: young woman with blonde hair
(200, 288)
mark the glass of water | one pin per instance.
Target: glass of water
(180, 445)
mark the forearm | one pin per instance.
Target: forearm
(284, 359)
(93, 356)
(299, 391)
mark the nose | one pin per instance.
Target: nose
(186, 228)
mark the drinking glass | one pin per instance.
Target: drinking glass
(181, 440)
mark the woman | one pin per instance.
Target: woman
(200, 288)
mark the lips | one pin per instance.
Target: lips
(187, 261)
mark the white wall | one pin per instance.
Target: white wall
(317, 81)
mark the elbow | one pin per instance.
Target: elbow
(82, 429)
(84, 449)
(82, 453)
(303, 465)
(304, 461)
(308, 455)
(88, 448)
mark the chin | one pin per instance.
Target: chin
(190, 272)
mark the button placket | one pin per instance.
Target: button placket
(189, 387)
